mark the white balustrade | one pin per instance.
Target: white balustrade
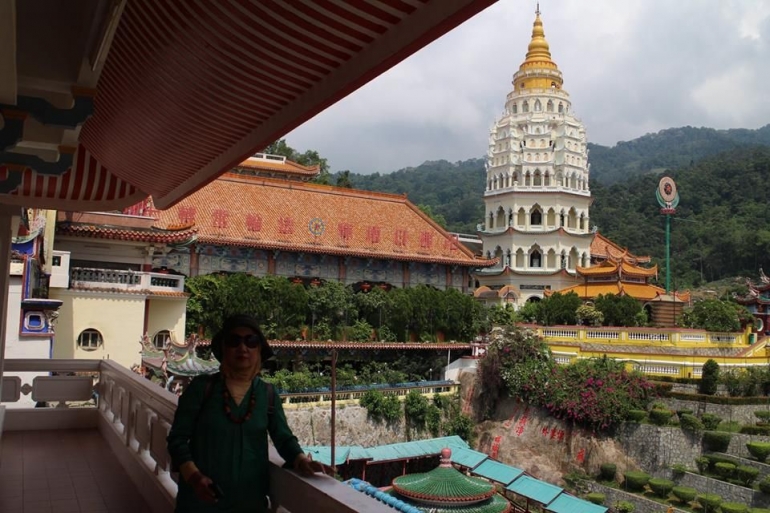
(134, 416)
(113, 279)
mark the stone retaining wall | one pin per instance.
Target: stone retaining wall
(743, 413)
(728, 491)
(738, 444)
(642, 504)
(656, 447)
(764, 468)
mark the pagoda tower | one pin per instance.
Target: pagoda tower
(537, 197)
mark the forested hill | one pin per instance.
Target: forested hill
(670, 148)
(452, 190)
(721, 227)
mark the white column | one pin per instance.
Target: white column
(6, 216)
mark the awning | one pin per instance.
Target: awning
(531, 488)
(566, 503)
(188, 89)
(498, 472)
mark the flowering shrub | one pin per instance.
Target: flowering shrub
(597, 393)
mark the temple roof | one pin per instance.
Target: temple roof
(603, 248)
(266, 213)
(262, 164)
(444, 485)
(640, 291)
(621, 268)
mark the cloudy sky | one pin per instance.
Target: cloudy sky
(631, 67)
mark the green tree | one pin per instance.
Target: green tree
(559, 308)
(709, 378)
(618, 310)
(714, 315)
(438, 218)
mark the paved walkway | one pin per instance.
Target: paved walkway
(68, 471)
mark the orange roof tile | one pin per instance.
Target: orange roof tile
(634, 270)
(275, 163)
(170, 235)
(603, 269)
(604, 248)
(259, 212)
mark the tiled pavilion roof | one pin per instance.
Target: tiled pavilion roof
(266, 213)
(272, 165)
(603, 248)
(444, 485)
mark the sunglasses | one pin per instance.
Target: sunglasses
(251, 341)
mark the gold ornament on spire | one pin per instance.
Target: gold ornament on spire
(538, 51)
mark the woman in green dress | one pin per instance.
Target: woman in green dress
(218, 440)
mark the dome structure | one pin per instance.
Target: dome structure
(446, 489)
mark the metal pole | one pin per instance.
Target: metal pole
(668, 253)
(334, 409)
(6, 214)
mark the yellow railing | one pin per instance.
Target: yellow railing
(670, 337)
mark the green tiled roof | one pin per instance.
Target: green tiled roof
(565, 503)
(323, 454)
(444, 485)
(497, 504)
(468, 457)
(415, 449)
(531, 488)
(496, 471)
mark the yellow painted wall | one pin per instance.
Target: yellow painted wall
(118, 317)
(167, 314)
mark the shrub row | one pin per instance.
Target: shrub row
(716, 441)
(760, 450)
(717, 399)
(755, 430)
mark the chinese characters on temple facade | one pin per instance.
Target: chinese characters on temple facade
(373, 234)
(345, 231)
(220, 218)
(285, 225)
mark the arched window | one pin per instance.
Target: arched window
(536, 218)
(553, 85)
(161, 339)
(538, 179)
(536, 259)
(90, 340)
(549, 105)
(515, 109)
(538, 106)
(525, 106)
(561, 108)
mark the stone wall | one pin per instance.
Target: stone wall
(738, 444)
(728, 491)
(656, 447)
(312, 426)
(743, 413)
(642, 504)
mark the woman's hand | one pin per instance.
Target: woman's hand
(203, 487)
(306, 466)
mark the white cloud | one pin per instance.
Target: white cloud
(631, 67)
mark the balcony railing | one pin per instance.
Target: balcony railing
(134, 416)
(125, 280)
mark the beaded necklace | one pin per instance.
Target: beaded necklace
(228, 411)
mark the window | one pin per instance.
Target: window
(535, 259)
(161, 339)
(536, 218)
(56, 261)
(34, 321)
(90, 340)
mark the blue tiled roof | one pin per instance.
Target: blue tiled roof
(415, 449)
(468, 457)
(496, 471)
(566, 503)
(534, 489)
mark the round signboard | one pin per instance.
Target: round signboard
(316, 226)
(667, 189)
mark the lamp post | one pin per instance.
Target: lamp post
(668, 199)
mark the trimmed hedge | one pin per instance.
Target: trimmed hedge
(764, 486)
(713, 459)
(660, 417)
(703, 463)
(661, 487)
(755, 430)
(718, 399)
(690, 423)
(685, 494)
(624, 507)
(760, 450)
(636, 415)
(746, 474)
(710, 421)
(709, 502)
(716, 441)
(725, 470)
(763, 415)
(596, 498)
(636, 481)
(607, 471)
(759, 510)
(733, 507)
(680, 413)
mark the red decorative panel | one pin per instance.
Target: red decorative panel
(426, 240)
(187, 215)
(220, 218)
(400, 238)
(285, 225)
(346, 231)
(373, 234)
(254, 222)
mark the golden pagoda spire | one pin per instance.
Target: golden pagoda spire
(538, 51)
